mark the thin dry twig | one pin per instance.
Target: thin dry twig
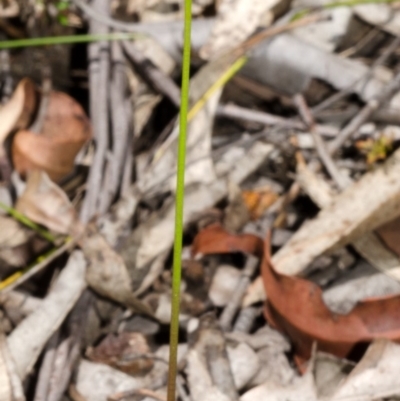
(120, 121)
(241, 113)
(365, 113)
(322, 150)
(156, 78)
(231, 308)
(99, 67)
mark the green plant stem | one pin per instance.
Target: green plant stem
(28, 223)
(180, 195)
(63, 40)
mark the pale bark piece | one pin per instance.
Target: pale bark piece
(244, 364)
(375, 376)
(199, 379)
(223, 285)
(368, 245)
(366, 205)
(290, 71)
(236, 21)
(299, 389)
(96, 381)
(10, 383)
(27, 341)
(362, 282)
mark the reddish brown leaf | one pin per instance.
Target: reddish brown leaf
(214, 239)
(64, 131)
(295, 305)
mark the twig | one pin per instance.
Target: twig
(120, 129)
(246, 318)
(156, 78)
(322, 150)
(237, 112)
(67, 356)
(230, 310)
(98, 77)
(374, 104)
(46, 368)
(342, 94)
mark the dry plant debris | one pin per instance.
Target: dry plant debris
(291, 278)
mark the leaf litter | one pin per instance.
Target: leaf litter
(291, 261)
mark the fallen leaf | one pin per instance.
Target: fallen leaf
(27, 341)
(123, 352)
(296, 307)
(259, 200)
(214, 239)
(45, 203)
(107, 273)
(65, 129)
(14, 248)
(18, 112)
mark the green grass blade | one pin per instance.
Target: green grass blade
(27, 222)
(180, 195)
(66, 40)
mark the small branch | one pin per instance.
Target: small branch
(98, 77)
(120, 129)
(322, 150)
(373, 105)
(230, 310)
(157, 79)
(241, 113)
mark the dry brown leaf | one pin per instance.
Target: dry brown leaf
(44, 202)
(18, 112)
(259, 200)
(123, 352)
(296, 306)
(214, 239)
(107, 273)
(64, 131)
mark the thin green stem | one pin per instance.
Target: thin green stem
(180, 195)
(27, 222)
(63, 40)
